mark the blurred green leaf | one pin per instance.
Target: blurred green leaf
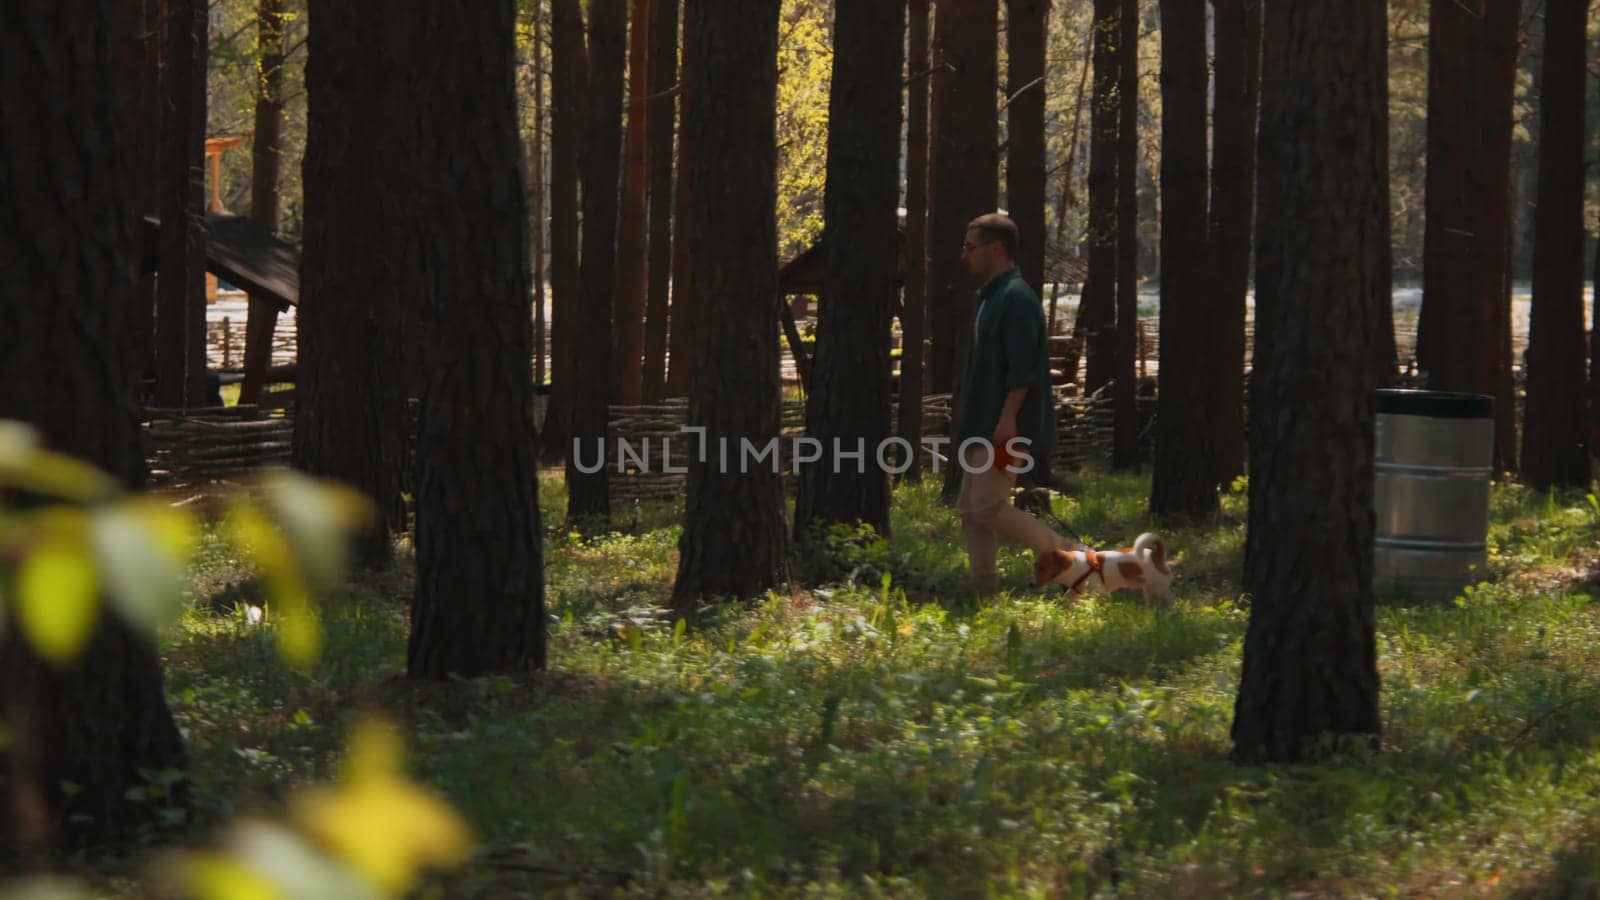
(316, 517)
(141, 548)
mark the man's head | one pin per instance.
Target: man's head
(990, 246)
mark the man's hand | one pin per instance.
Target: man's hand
(1004, 431)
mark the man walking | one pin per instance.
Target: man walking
(1005, 394)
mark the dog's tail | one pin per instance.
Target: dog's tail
(1158, 551)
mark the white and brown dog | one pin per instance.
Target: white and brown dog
(1144, 566)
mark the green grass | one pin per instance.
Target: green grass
(880, 732)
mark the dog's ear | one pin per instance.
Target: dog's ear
(1048, 565)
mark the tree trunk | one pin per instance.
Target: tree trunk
(589, 494)
(914, 318)
(631, 275)
(180, 302)
(1124, 395)
(734, 542)
(1233, 173)
(568, 82)
(139, 92)
(663, 75)
(1471, 75)
(681, 316)
(962, 185)
(540, 325)
(1310, 660)
(1184, 480)
(357, 275)
(962, 173)
(848, 403)
(1097, 310)
(479, 605)
(101, 723)
(1554, 428)
(264, 153)
(1025, 89)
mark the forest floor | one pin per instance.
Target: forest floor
(882, 733)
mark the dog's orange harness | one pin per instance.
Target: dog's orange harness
(1093, 559)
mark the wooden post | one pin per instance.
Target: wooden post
(1139, 330)
(227, 342)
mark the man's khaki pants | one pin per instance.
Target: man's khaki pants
(985, 507)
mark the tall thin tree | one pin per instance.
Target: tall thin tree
(180, 299)
(1098, 306)
(734, 542)
(1461, 340)
(914, 314)
(1554, 427)
(569, 67)
(633, 224)
(1026, 24)
(1184, 478)
(265, 153)
(962, 181)
(81, 738)
(352, 369)
(1310, 650)
(848, 402)
(962, 162)
(479, 604)
(1124, 394)
(663, 78)
(681, 313)
(589, 493)
(1233, 170)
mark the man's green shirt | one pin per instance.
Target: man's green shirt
(1008, 351)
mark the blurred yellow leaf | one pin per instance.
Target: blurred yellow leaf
(57, 589)
(208, 876)
(288, 597)
(377, 820)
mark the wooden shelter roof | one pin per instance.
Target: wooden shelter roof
(241, 253)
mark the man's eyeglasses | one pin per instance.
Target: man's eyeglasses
(968, 248)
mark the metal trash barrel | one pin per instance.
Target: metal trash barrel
(1434, 460)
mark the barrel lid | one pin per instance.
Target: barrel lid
(1433, 404)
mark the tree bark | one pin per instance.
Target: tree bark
(479, 605)
(848, 403)
(1098, 309)
(628, 370)
(1025, 89)
(1310, 655)
(734, 541)
(264, 158)
(537, 189)
(66, 302)
(568, 82)
(180, 301)
(358, 277)
(1554, 428)
(139, 93)
(1233, 173)
(589, 494)
(681, 335)
(962, 183)
(1124, 395)
(1184, 480)
(1471, 77)
(962, 163)
(663, 76)
(914, 317)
